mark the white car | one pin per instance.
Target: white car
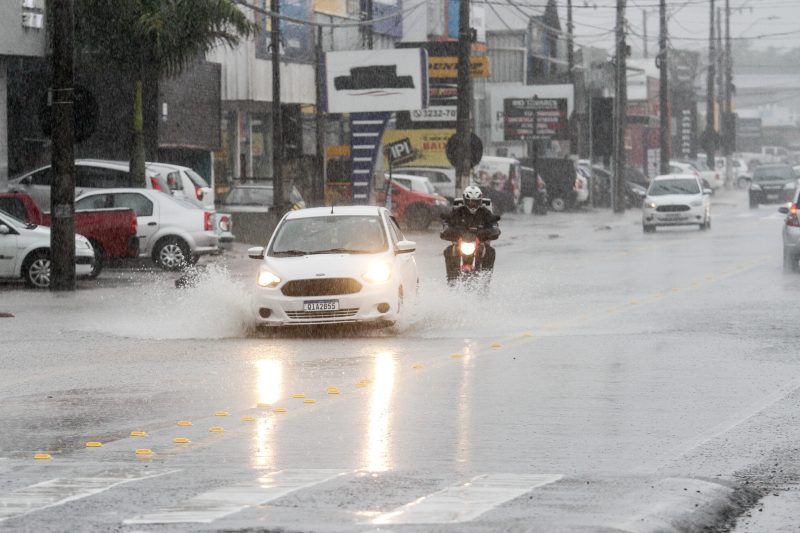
(171, 231)
(90, 174)
(334, 265)
(442, 178)
(185, 183)
(25, 252)
(676, 200)
(714, 178)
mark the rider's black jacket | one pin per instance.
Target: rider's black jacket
(460, 219)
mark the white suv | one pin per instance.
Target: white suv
(676, 200)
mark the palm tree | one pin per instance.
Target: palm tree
(164, 36)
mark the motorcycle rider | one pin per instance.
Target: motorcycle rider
(472, 214)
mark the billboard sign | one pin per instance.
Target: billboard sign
(429, 145)
(297, 40)
(534, 119)
(502, 91)
(376, 80)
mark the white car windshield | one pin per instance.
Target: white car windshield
(329, 234)
(677, 186)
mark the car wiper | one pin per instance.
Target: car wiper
(292, 253)
(342, 251)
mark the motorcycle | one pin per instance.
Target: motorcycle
(470, 249)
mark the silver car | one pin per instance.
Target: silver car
(791, 235)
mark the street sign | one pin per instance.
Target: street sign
(534, 119)
(400, 152)
(475, 150)
(447, 67)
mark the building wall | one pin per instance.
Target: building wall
(16, 40)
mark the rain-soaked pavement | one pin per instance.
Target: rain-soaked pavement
(610, 380)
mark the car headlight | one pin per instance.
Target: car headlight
(755, 187)
(267, 279)
(467, 248)
(441, 202)
(697, 203)
(83, 244)
(789, 186)
(378, 273)
(651, 205)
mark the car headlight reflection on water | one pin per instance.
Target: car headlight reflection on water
(267, 279)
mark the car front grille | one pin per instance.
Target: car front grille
(672, 208)
(321, 287)
(317, 315)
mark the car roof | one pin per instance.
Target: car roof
(338, 210)
(410, 177)
(675, 177)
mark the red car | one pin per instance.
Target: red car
(112, 232)
(414, 209)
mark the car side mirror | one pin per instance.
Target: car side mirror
(497, 218)
(26, 181)
(406, 247)
(781, 210)
(4, 230)
(708, 192)
(256, 252)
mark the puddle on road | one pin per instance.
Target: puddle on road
(216, 306)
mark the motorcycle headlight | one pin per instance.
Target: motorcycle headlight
(467, 248)
(755, 187)
(267, 279)
(378, 273)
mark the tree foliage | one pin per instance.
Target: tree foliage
(164, 34)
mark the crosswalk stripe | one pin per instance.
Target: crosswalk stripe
(466, 501)
(215, 504)
(59, 491)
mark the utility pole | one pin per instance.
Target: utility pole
(367, 34)
(463, 124)
(62, 198)
(720, 70)
(570, 44)
(712, 58)
(318, 183)
(663, 90)
(728, 147)
(277, 119)
(621, 104)
(644, 33)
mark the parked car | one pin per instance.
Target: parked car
(185, 183)
(676, 200)
(442, 178)
(25, 252)
(112, 232)
(634, 192)
(250, 209)
(90, 174)
(415, 209)
(334, 265)
(772, 184)
(560, 176)
(414, 183)
(172, 232)
(715, 178)
(791, 235)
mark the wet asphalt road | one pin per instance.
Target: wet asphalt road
(610, 380)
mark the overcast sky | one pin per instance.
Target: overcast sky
(688, 23)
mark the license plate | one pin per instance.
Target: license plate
(674, 217)
(772, 197)
(321, 305)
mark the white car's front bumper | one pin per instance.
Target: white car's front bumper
(373, 303)
(653, 217)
